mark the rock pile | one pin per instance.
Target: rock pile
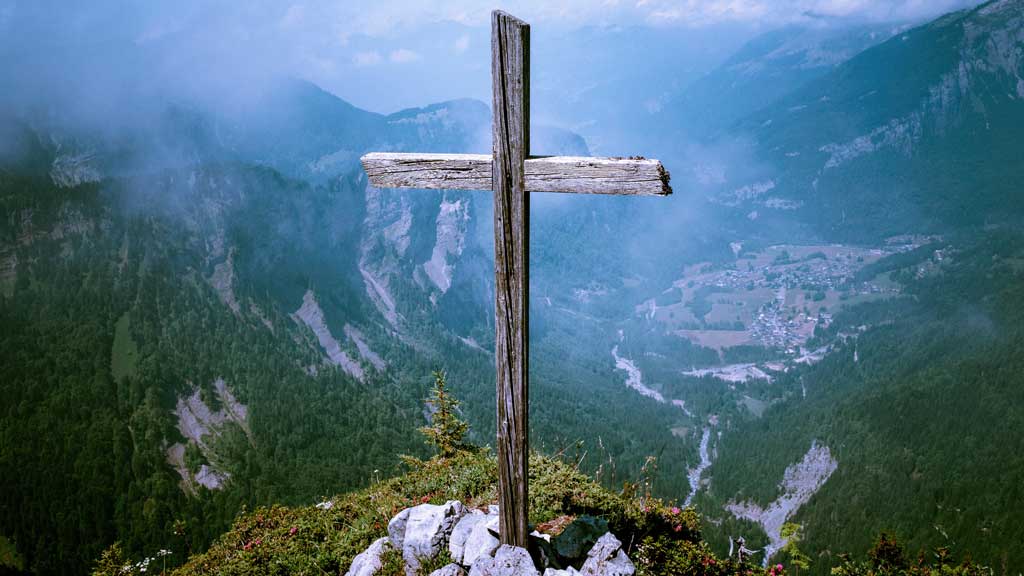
(422, 532)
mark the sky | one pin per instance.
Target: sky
(380, 55)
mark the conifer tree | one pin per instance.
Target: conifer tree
(446, 431)
(793, 533)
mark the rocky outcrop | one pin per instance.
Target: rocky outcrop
(312, 316)
(607, 558)
(197, 422)
(452, 221)
(370, 562)
(365, 351)
(799, 483)
(423, 531)
(449, 570)
(223, 281)
(201, 426)
(471, 537)
(507, 561)
(387, 223)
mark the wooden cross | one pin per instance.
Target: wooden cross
(512, 173)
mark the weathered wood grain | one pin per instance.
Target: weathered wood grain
(512, 174)
(570, 174)
(510, 77)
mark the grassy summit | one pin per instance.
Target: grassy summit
(324, 539)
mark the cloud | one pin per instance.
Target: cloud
(107, 55)
(783, 12)
(369, 58)
(391, 16)
(404, 56)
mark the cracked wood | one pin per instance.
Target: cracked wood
(571, 174)
(510, 78)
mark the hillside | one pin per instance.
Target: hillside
(660, 538)
(919, 406)
(893, 137)
(197, 319)
(766, 69)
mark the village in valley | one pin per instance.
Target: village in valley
(755, 316)
(772, 298)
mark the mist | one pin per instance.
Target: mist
(111, 72)
(109, 63)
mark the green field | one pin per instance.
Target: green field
(124, 354)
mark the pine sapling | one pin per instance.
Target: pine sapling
(446, 432)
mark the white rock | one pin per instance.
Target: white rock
(481, 542)
(369, 562)
(449, 570)
(606, 558)
(461, 532)
(396, 529)
(507, 561)
(422, 531)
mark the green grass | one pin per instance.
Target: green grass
(124, 354)
(661, 540)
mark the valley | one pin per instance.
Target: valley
(776, 305)
(772, 298)
(206, 309)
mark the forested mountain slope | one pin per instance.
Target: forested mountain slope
(920, 406)
(219, 313)
(899, 134)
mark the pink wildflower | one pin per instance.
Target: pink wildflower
(675, 510)
(293, 531)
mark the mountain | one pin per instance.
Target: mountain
(894, 136)
(206, 308)
(213, 310)
(899, 418)
(214, 319)
(762, 71)
(917, 406)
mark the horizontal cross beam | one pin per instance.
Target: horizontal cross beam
(571, 174)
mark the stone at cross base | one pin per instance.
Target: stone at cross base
(422, 533)
(512, 174)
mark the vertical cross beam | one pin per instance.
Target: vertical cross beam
(510, 73)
